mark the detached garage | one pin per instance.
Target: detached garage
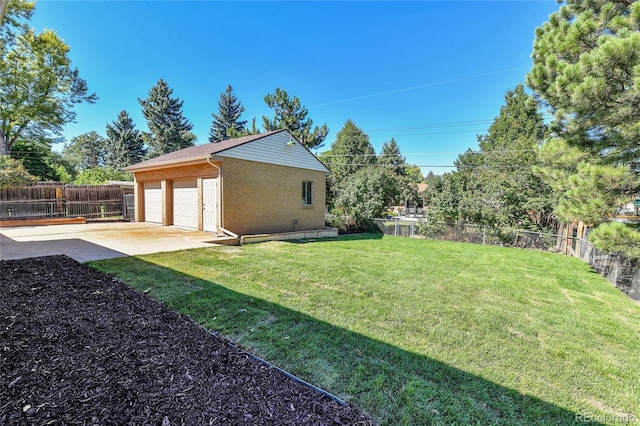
(266, 183)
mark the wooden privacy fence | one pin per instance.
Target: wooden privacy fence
(46, 200)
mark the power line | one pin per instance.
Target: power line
(433, 126)
(420, 86)
(504, 151)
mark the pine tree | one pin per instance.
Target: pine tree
(169, 130)
(124, 142)
(586, 68)
(391, 156)
(289, 114)
(226, 122)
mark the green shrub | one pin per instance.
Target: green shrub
(13, 173)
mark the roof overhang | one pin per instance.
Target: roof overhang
(168, 164)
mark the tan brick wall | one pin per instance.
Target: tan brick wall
(264, 198)
(257, 197)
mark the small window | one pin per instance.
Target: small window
(307, 193)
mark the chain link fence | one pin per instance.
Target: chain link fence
(478, 234)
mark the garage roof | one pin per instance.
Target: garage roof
(195, 153)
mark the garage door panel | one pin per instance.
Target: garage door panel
(185, 204)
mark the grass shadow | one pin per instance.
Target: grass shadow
(395, 386)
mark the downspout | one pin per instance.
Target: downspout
(220, 204)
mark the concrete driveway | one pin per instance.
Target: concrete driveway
(85, 242)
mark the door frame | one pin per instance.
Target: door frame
(210, 204)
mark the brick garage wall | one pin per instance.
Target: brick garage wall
(265, 198)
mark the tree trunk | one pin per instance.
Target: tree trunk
(4, 145)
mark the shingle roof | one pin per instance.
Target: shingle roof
(198, 151)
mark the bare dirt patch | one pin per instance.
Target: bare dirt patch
(79, 347)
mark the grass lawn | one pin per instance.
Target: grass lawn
(416, 331)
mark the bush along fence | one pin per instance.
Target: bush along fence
(57, 200)
(622, 272)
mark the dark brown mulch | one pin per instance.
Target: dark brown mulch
(78, 347)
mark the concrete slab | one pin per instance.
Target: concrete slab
(85, 242)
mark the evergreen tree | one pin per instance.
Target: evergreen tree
(254, 130)
(350, 152)
(124, 143)
(289, 114)
(227, 121)
(169, 130)
(406, 177)
(390, 156)
(35, 158)
(586, 69)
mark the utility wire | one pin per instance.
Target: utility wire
(420, 86)
(29, 154)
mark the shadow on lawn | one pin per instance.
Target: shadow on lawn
(395, 386)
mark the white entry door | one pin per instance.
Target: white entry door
(210, 204)
(185, 204)
(152, 202)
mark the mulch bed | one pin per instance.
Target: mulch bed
(79, 347)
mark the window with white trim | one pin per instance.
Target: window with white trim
(307, 193)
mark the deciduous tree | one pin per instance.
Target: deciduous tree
(38, 85)
(85, 151)
(365, 195)
(501, 188)
(12, 172)
(101, 176)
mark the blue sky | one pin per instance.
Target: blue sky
(431, 74)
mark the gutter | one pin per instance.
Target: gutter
(163, 164)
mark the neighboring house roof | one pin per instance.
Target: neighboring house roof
(422, 187)
(271, 149)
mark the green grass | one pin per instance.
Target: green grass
(416, 331)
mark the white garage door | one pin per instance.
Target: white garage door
(185, 204)
(152, 203)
